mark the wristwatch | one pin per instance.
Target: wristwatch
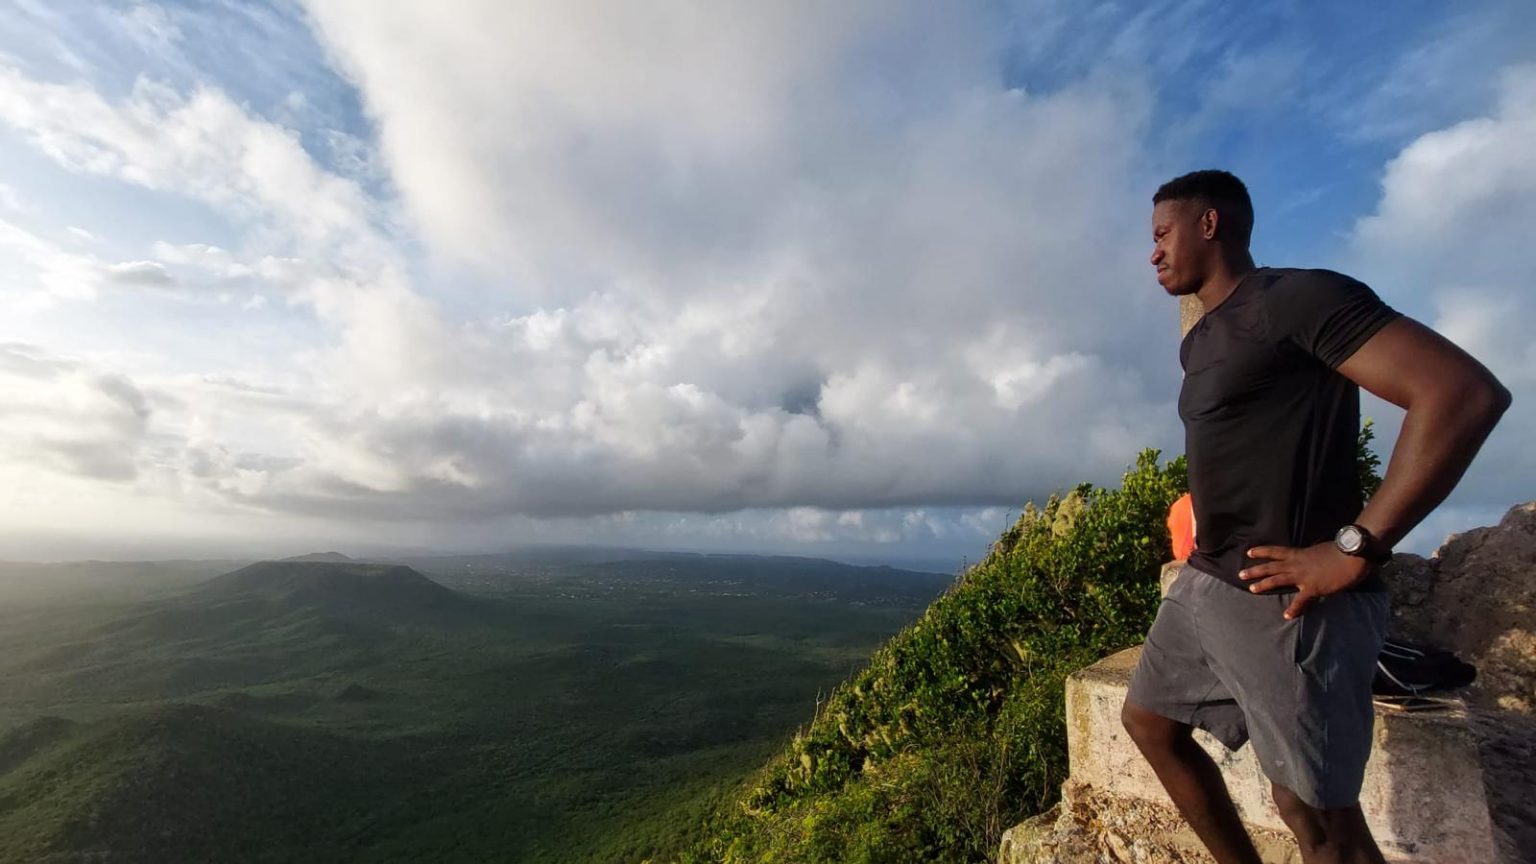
(1357, 540)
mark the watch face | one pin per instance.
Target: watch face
(1349, 539)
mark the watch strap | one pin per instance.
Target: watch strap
(1370, 547)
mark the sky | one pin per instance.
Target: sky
(855, 280)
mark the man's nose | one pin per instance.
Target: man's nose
(1157, 255)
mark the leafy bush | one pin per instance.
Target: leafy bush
(955, 730)
(1368, 461)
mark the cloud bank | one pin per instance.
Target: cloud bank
(780, 273)
(793, 258)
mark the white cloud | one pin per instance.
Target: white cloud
(1454, 225)
(58, 273)
(200, 145)
(828, 530)
(147, 273)
(1468, 188)
(220, 264)
(822, 260)
(1432, 81)
(63, 413)
(762, 283)
(783, 273)
(353, 157)
(151, 25)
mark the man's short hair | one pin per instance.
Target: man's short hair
(1218, 189)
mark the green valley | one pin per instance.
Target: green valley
(550, 706)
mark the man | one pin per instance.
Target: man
(1271, 634)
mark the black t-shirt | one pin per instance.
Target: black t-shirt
(1270, 427)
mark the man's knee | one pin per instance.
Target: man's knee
(1152, 731)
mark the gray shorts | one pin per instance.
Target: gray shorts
(1225, 660)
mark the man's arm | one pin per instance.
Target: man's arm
(1452, 403)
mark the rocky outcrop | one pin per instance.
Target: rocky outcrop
(1090, 826)
(1476, 596)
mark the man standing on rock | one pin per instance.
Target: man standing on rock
(1272, 633)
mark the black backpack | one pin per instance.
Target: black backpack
(1405, 669)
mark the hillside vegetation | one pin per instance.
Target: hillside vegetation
(954, 731)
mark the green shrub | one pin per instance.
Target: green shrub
(1368, 461)
(955, 729)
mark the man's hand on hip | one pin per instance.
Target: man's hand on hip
(1315, 572)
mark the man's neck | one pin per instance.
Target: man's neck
(1223, 280)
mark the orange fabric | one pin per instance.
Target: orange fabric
(1181, 527)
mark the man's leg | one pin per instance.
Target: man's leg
(1338, 836)
(1312, 723)
(1193, 782)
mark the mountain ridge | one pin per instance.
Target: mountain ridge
(332, 557)
(390, 593)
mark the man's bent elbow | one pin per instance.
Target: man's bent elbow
(1477, 400)
(1504, 400)
(1494, 400)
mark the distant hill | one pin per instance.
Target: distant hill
(693, 573)
(332, 557)
(263, 623)
(385, 593)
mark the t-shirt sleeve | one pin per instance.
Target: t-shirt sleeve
(1328, 315)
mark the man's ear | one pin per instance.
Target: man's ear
(1209, 223)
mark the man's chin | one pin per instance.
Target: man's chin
(1176, 290)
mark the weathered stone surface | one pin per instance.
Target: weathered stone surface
(1477, 597)
(1090, 826)
(1507, 746)
(1423, 794)
(1170, 572)
(1190, 312)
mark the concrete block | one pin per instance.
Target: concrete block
(1169, 573)
(1423, 794)
(1093, 827)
